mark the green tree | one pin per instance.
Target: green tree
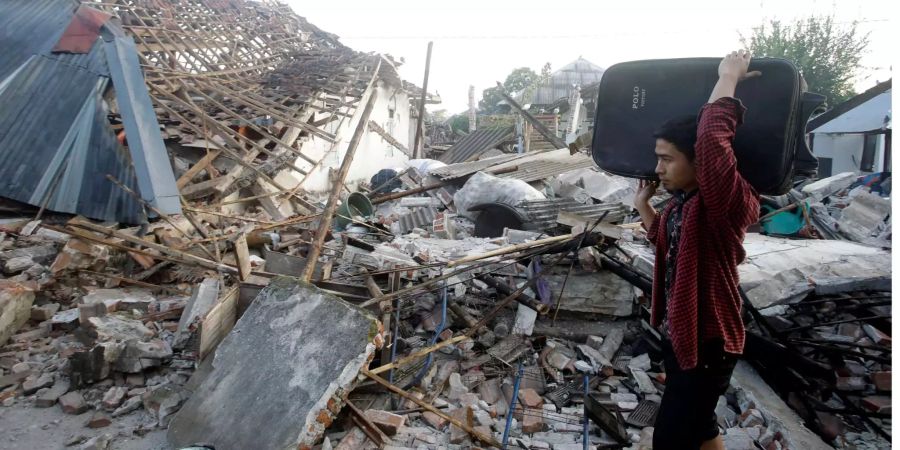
(516, 81)
(439, 116)
(460, 122)
(827, 54)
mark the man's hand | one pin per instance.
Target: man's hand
(732, 70)
(734, 66)
(646, 190)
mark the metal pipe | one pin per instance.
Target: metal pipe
(396, 333)
(512, 404)
(586, 438)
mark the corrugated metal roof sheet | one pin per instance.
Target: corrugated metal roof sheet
(476, 143)
(56, 144)
(419, 217)
(544, 165)
(528, 167)
(542, 214)
(457, 170)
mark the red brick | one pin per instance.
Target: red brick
(99, 420)
(530, 398)
(434, 420)
(882, 380)
(532, 421)
(458, 435)
(324, 418)
(877, 403)
(386, 421)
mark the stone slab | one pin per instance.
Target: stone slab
(285, 368)
(599, 293)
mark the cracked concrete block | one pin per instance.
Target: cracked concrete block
(15, 307)
(296, 350)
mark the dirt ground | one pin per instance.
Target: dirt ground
(23, 426)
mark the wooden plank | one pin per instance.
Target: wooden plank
(218, 322)
(242, 255)
(579, 224)
(381, 132)
(197, 168)
(331, 205)
(552, 138)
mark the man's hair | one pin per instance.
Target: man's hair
(681, 132)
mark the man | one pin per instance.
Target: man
(699, 244)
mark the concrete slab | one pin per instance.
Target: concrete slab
(777, 413)
(282, 374)
(600, 293)
(779, 271)
(203, 298)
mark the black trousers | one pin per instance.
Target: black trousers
(687, 415)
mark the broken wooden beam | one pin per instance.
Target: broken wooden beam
(331, 205)
(387, 137)
(177, 255)
(511, 249)
(552, 138)
(481, 437)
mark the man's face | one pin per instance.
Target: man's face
(675, 171)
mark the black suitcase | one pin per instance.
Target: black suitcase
(636, 97)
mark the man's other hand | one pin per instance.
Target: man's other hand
(734, 66)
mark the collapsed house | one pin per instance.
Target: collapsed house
(75, 111)
(494, 301)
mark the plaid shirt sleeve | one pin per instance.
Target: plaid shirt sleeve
(724, 189)
(653, 228)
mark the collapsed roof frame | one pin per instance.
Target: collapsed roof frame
(249, 81)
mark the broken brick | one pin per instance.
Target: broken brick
(877, 403)
(530, 398)
(73, 403)
(532, 421)
(434, 420)
(388, 422)
(99, 420)
(882, 380)
(457, 434)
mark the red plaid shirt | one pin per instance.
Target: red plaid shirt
(704, 298)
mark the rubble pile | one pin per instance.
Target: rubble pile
(845, 206)
(840, 381)
(420, 328)
(206, 253)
